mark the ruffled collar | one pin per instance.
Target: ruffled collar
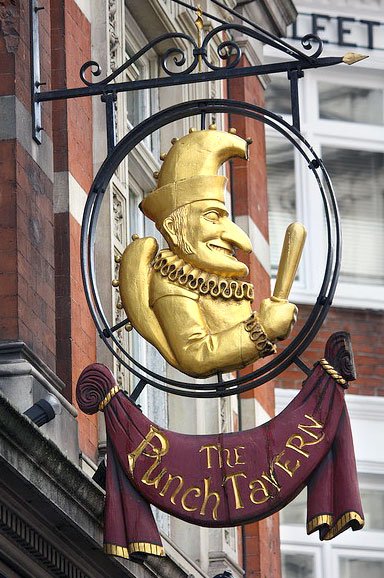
(178, 271)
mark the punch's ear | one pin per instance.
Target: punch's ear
(169, 228)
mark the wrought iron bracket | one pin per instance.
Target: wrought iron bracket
(177, 69)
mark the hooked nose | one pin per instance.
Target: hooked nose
(236, 236)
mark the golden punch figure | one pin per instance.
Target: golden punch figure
(191, 300)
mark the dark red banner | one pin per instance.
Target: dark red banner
(230, 479)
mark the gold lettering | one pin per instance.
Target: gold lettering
(233, 477)
(146, 479)
(285, 466)
(186, 494)
(307, 429)
(227, 453)
(157, 454)
(176, 490)
(271, 478)
(208, 449)
(207, 495)
(254, 490)
(238, 457)
(297, 448)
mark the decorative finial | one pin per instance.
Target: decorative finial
(212, 126)
(156, 175)
(135, 237)
(352, 57)
(174, 140)
(117, 258)
(163, 156)
(115, 283)
(119, 305)
(128, 326)
(249, 140)
(232, 130)
(192, 129)
(199, 23)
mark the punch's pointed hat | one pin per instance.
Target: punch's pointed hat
(189, 171)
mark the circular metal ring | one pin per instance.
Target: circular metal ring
(319, 311)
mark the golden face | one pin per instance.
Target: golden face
(209, 239)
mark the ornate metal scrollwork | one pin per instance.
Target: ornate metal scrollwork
(306, 43)
(179, 58)
(177, 52)
(227, 50)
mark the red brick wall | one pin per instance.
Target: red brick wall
(42, 299)
(367, 330)
(27, 308)
(72, 138)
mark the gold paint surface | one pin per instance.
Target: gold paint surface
(352, 57)
(112, 392)
(332, 372)
(190, 300)
(334, 528)
(123, 552)
(290, 258)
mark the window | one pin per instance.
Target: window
(358, 177)
(354, 567)
(342, 116)
(296, 565)
(350, 103)
(141, 104)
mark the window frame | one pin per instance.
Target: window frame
(343, 134)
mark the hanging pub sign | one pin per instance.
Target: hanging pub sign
(191, 301)
(224, 480)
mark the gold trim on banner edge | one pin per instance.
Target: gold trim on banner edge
(332, 372)
(133, 547)
(318, 521)
(333, 529)
(111, 393)
(342, 524)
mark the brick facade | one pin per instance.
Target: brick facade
(42, 300)
(366, 328)
(27, 307)
(73, 154)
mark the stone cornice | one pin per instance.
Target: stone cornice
(26, 440)
(273, 15)
(42, 493)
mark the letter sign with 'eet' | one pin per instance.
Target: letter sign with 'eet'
(229, 479)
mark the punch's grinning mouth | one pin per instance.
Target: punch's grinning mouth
(223, 250)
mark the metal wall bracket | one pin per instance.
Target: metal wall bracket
(35, 70)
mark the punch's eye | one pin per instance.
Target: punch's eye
(212, 216)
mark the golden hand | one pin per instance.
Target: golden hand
(277, 316)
